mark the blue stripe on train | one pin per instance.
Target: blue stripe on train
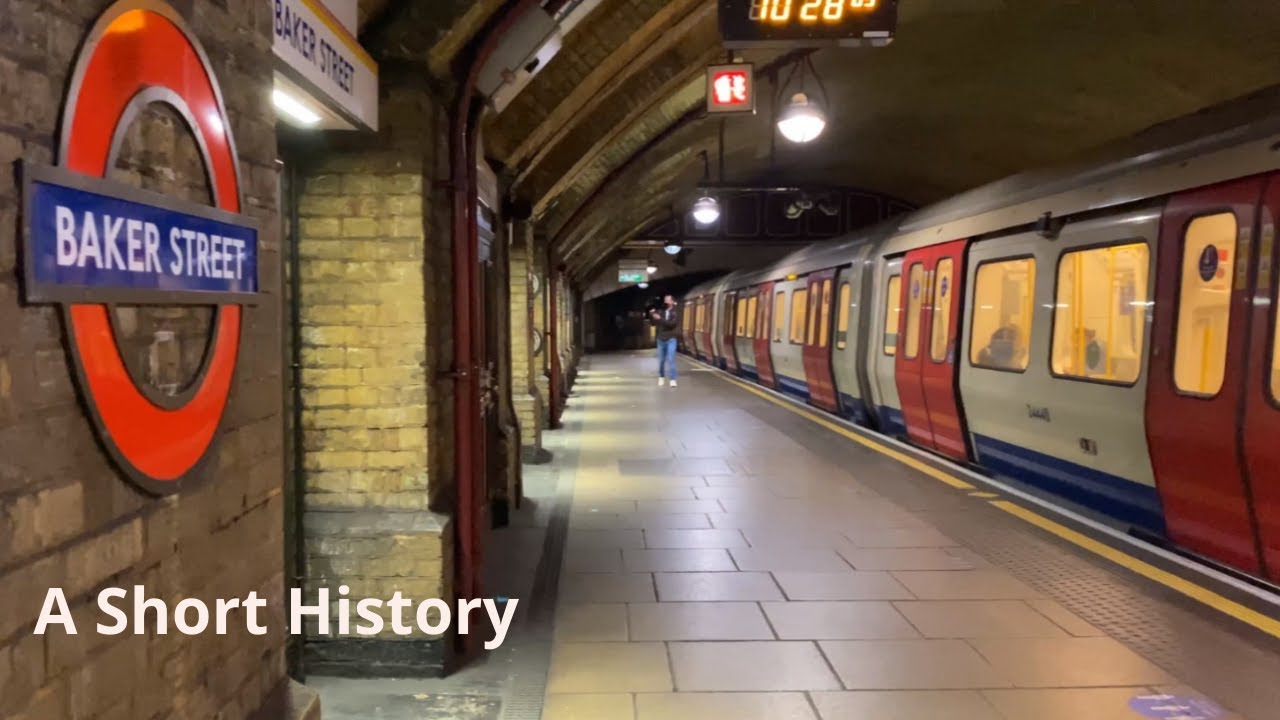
(793, 387)
(749, 372)
(1108, 494)
(1102, 492)
(854, 409)
(894, 424)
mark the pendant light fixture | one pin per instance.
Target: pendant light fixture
(803, 118)
(706, 210)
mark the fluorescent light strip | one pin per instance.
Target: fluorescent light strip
(290, 106)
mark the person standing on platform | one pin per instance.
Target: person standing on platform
(667, 321)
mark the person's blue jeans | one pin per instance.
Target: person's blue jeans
(667, 358)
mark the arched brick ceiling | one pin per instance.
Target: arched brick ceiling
(607, 136)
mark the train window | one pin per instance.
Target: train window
(892, 309)
(740, 324)
(915, 298)
(1099, 318)
(1275, 353)
(824, 328)
(1204, 304)
(842, 318)
(811, 338)
(799, 305)
(1003, 302)
(779, 315)
(750, 308)
(943, 287)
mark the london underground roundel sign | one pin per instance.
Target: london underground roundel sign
(90, 242)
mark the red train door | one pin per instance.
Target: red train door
(909, 362)
(1199, 371)
(728, 332)
(707, 353)
(763, 336)
(938, 372)
(1262, 388)
(817, 352)
(925, 366)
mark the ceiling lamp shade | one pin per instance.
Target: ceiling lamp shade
(802, 120)
(651, 269)
(643, 285)
(706, 210)
(672, 248)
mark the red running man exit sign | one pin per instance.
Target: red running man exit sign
(731, 88)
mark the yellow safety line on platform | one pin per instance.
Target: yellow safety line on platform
(1196, 592)
(1262, 622)
(903, 458)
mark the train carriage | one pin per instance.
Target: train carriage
(1105, 333)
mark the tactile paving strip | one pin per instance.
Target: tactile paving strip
(530, 658)
(1231, 663)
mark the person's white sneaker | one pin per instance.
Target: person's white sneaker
(662, 381)
(673, 383)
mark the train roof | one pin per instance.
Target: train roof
(1236, 139)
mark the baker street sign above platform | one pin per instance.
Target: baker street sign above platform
(97, 241)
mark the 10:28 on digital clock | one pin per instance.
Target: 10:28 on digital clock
(808, 12)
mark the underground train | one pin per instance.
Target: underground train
(1105, 333)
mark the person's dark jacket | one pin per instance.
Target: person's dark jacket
(667, 320)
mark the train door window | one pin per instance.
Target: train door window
(740, 325)
(824, 322)
(799, 305)
(1099, 317)
(779, 315)
(1003, 302)
(811, 338)
(842, 318)
(750, 312)
(762, 326)
(943, 287)
(892, 309)
(1204, 304)
(1275, 348)
(915, 298)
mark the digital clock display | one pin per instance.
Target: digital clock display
(807, 23)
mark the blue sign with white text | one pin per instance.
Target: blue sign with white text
(93, 240)
(1173, 707)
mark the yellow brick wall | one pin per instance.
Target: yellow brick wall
(363, 321)
(376, 328)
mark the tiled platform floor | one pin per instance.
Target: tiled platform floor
(715, 567)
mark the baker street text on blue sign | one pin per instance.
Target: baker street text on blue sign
(94, 240)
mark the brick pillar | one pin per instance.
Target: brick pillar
(524, 364)
(375, 302)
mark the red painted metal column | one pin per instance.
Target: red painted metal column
(467, 430)
(553, 345)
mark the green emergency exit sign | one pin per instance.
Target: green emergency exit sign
(631, 276)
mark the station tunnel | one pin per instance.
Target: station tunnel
(639, 359)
